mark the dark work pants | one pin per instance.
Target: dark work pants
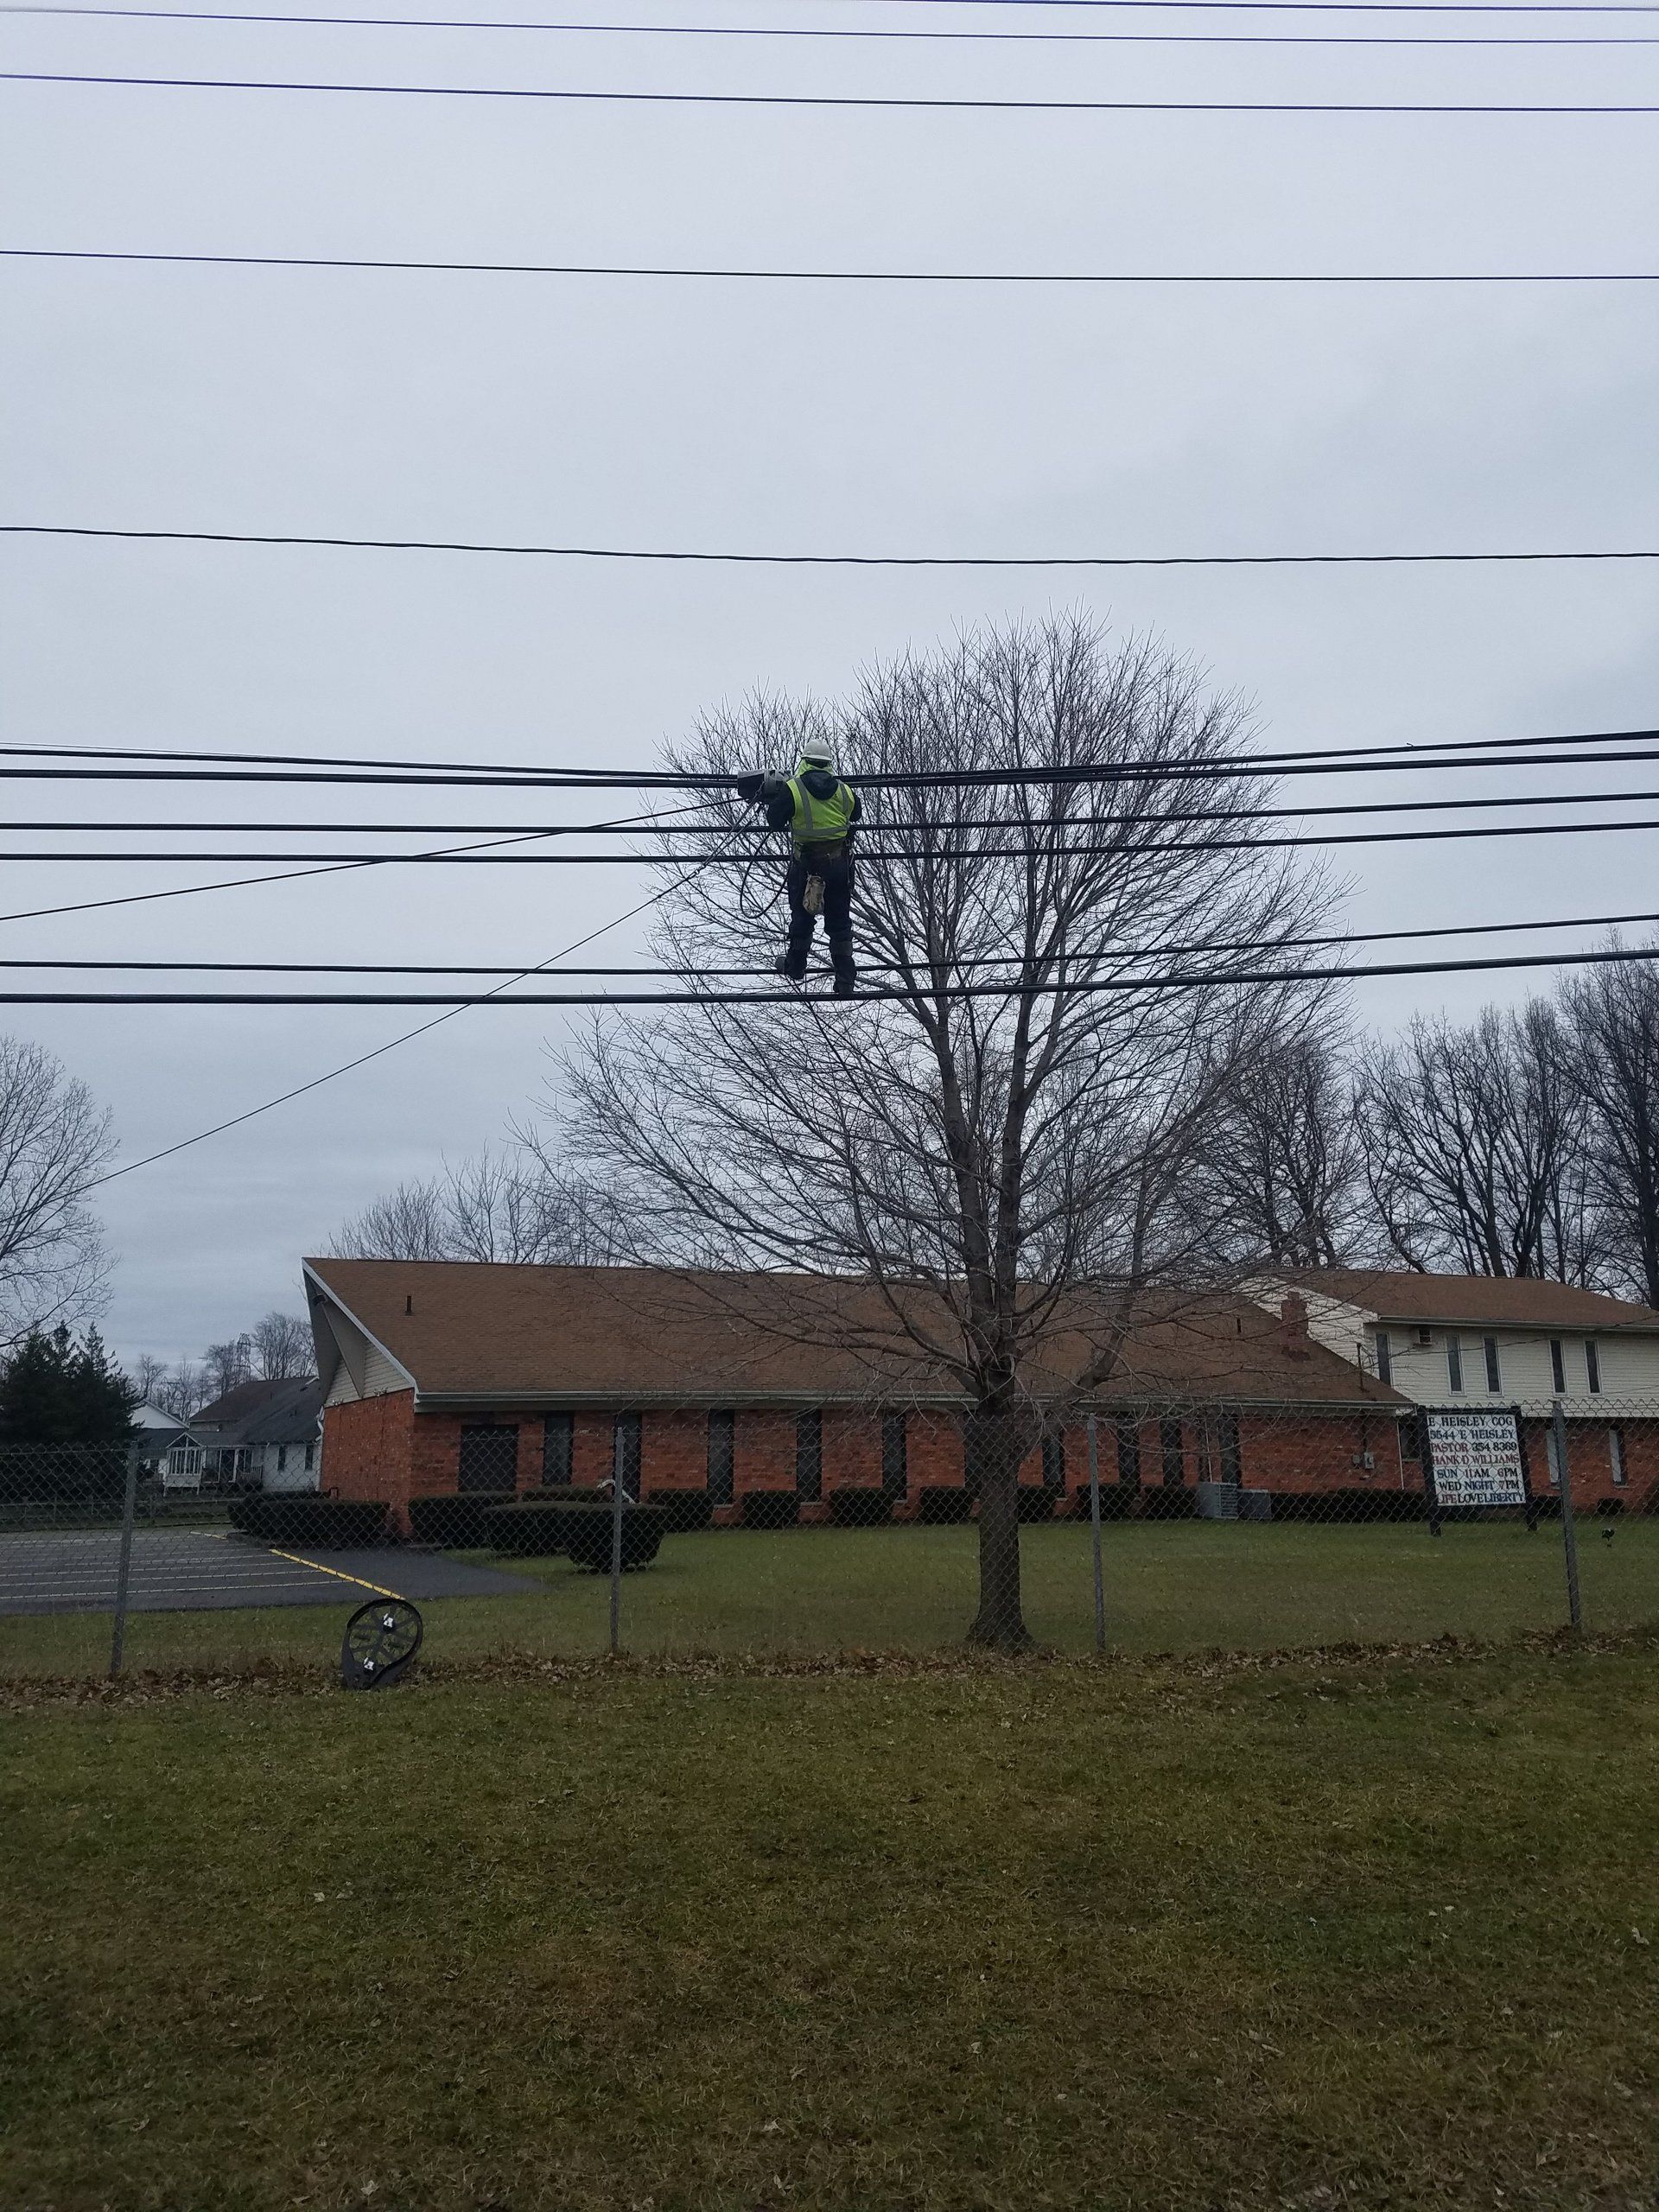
(837, 874)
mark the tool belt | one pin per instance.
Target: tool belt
(812, 856)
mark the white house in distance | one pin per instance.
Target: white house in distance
(265, 1435)
(1496, 1342)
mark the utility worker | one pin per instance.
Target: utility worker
(819, 811)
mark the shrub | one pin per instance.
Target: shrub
(1608, 1507)
(1036, 1501)
(941, 1501)
(1169, 1502)
(682, 1509)
(1116, 1501)
(455, 1521)
(310, 1517)
(769, 1509)
(571, 1494)
(1348, 1503)
(860, 1505)
(588, 1536)
(530, 1528)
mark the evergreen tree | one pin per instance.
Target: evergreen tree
(53, 1390)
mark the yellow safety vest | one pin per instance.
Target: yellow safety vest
(820, 821)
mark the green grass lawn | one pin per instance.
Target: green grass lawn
(1375, 1935)
(1180, 1587)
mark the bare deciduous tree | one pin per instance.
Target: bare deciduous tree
(228, 1365)
(995, 1178)
(1281, 1176)
(1474, 1148)
(53, 1142)
(282, 1350)
(181, 1388)
(1612, 1018)
(525, 1207)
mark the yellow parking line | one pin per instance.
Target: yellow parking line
(356, 1581)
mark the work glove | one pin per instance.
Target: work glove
(748, 786)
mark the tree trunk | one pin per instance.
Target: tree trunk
(994, 1443)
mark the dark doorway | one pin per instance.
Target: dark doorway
(895, 1456)
(558, 1448)
(809, 1457)
(723, 1457)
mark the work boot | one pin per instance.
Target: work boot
(841, 958)
(792, 962)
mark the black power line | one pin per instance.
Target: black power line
(1344, 7)
(862, 32)
(1221, 979)
(1055, 960)
(906, 102)
(815, 559)
(1022, 276)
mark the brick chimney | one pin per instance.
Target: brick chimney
(1293, 1326)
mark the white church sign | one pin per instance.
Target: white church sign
(1477, 1458)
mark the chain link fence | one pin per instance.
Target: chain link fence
(824, 1533)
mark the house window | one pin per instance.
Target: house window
(1054, 1463)
(723, 1457)
(1616, 1456)
(558, 1448)
(1411, 1437)
(281, 1458)
(1425, 1338)
(1232, 1466)
(1553, 1456)
(625, 1453)
(1454, 1363)
(310, 1457)
(1126, 1434)
(489, 1456)
(1170, 1445)
(1557, 1365)
(1593, 1363)
(895, 1456)
(1494, 1372)
(809, 1457)
(1384, 1357)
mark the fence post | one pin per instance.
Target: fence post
(1094, 1529)
(616, 1545)
(1569, 1533)
(124, 1564)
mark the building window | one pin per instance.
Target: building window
(1616, 1455)
(1411, 1437)
(1557, 1365)
(1494, 1372)
(809, 1457)
(1384, 1357)
(1232, 1464)
(723, 1457)
(1126, 1434)
(310, 1457)
(281, 1458)
(1454, 1363)
(1425, 1338)
(1593, 1363)
(1170, 1445)
(1552, 1455)
(625, 1453)
(895, 1455)
(1054, 1463)
(558, 1449)
(489, 1456)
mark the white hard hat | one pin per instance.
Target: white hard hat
(817, 751)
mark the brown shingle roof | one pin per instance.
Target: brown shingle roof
(472, 1329)
(1506, 1301)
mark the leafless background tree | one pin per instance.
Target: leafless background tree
(1279, 1177)
(524, 1206)
(999, 1178)
(1613, 1019)
(280, 1348)
(54, 1142)
(1474, 1144)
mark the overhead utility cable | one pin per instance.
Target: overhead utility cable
(1049, 848)
(1341, 756)
(1022, 276)
(379, 1052)
(812, 560)
(869, 825)
(862, 32)
(1342, 7)
(1060, 960)
(906, 102)
(1149, 985)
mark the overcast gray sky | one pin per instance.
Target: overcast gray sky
(757, 417)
